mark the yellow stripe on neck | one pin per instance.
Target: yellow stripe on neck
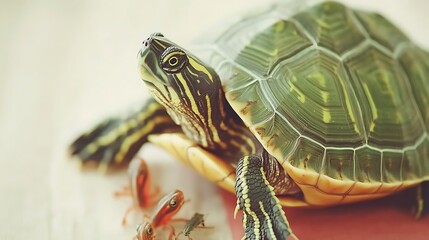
(200, 68)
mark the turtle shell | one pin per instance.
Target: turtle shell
(339, 96)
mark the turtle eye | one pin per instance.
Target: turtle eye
(173, 60)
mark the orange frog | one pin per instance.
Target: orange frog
(139, 187)
(167, 207)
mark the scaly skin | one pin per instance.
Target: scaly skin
(115, 141)
(263, 216)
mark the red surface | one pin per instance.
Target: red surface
(387, 218)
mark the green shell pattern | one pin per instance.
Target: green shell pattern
(333, 90)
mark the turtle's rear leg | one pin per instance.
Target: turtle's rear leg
(422, 198)
(263, 216)
(116, 141)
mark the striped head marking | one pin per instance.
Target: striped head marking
(176, 78)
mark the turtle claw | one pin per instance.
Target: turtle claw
(422, 200)
(237, 208)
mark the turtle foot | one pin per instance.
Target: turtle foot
(114, 142)
(263, 216)
(422, 197)
(104, 145)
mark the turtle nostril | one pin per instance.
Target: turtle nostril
(147, 42)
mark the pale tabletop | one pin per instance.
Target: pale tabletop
(64, 65)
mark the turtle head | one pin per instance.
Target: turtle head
(175, 76)
(191, 91)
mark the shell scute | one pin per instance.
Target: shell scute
(368, 165)
(250, 103)
(391, 117)
(314, 95)
(339, 164)
(278, 41)
(415, 63)
(381, 30)
(391, 167)
(423, 156)
(411, 168)
(233, 77)
(308, 156)
(332, 26)
(277, 133)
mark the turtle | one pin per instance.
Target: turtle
(331, 103)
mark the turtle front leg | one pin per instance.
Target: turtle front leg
(116, 140)
(263, 216)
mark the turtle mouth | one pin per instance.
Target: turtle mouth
(150, 72)
(148, 76)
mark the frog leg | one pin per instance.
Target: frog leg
(115, 141)
(422, 199)
(124, 218)
(172, 232)
(263, 216)
(125, 192)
